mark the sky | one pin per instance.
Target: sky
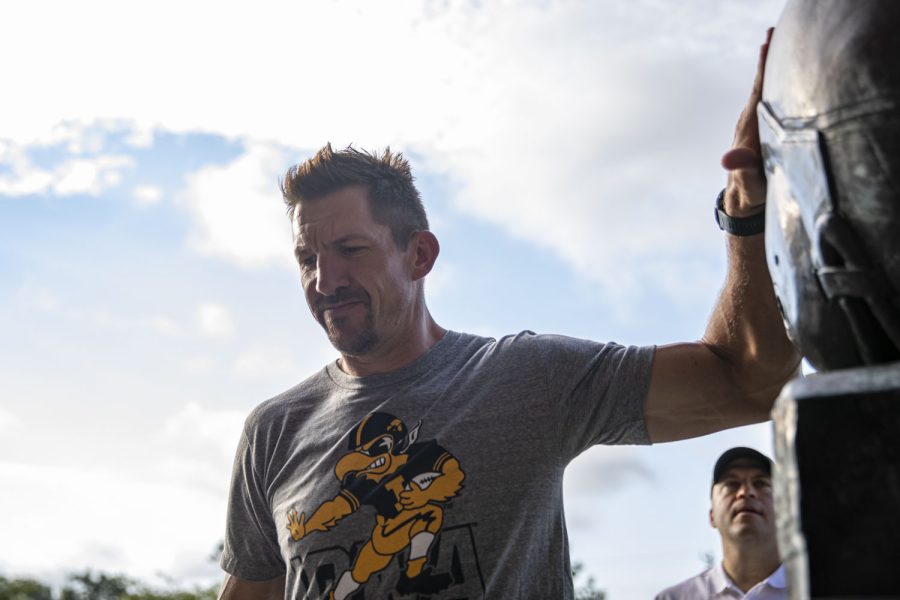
(567, 152)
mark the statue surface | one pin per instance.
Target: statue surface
(830, 135)
(830, 130)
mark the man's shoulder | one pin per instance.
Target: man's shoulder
(555, 346)
(529, 350)
(698, 586)
(522, 349)
(525, 340)
(465, 346)
(527, 337)
(276, 408)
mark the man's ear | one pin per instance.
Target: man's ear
(423, 251)
(712, 521)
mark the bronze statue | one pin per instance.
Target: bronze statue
(830, 135)
(830, 129)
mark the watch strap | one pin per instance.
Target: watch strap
(740, 226)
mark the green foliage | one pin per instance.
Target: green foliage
(23, 589)
(200, 594)
(103, 586)
(586, 590)
(100, 586)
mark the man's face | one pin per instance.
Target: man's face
(356, 281)
(742, 503)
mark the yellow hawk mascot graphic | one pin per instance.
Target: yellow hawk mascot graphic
(405, 481)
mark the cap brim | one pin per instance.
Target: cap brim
(741, 453)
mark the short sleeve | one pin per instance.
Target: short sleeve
(251, 550)
(598, 390)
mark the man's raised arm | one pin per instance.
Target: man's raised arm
(733, 374)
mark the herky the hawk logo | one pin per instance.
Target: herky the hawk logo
(405, 481)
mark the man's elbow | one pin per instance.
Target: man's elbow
(759, 376)
(762, 388)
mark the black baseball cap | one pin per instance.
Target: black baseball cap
(742, 453)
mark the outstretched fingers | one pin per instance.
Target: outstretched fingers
(747, 180)
(746, 134)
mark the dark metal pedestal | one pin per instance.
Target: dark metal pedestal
(837, 483)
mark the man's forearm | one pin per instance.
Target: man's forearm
(746, 329)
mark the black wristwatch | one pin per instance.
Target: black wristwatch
(741, 226)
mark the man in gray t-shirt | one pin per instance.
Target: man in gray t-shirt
(426, 463)
(442, 478)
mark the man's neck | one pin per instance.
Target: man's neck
(397, 353)
(746, 565)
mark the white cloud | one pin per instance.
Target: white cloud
(140, 136)
(161, 324)
(606, 470)
(599, 477)
(8, 420)
(198, 365)
(237, 208)
(264, 362)
(130, 523)
(199, 425)
(89, 175)
(215, 320)
(23, 177)
(444, 276)
(80, 135)
(591, 140)
(146, 195)
(82, 166)
(591, 129)
(197, 447)
(106, 319)
(37, 297)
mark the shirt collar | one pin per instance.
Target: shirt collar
(776, 579)
(721, 581)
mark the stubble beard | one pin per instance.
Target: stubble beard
(348, 343)
(358, 344)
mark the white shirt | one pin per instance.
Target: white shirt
(715, 583)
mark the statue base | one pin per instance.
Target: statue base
(837, 483)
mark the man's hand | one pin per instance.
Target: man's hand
(746, 191)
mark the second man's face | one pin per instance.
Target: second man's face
(356, 280)
(742, 503)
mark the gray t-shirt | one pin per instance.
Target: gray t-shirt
(442, 479)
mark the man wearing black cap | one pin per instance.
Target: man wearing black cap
(742, 510)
